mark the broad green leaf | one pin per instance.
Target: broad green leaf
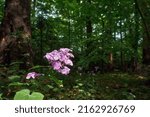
(25, 95)
(22, 95)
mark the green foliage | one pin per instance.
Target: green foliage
(1, 9)
(24, 94)
(14, 78)
(64, 24)
(18, 84)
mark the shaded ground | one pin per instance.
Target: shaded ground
(108, 86)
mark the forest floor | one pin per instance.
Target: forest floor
(107, 86)
(110, 86)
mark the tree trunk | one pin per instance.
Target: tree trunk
(15, 33)
(121, 49)
(89, 30)
(143, 8)
(109, 36)
(89, 26)
(135, 40)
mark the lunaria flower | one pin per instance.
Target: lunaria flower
(60, 59)
(32, 75)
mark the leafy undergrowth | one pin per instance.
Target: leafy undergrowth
(110, 86)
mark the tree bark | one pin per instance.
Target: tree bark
(144, 11)
(15, 33)
(89, 23)
(134, 59)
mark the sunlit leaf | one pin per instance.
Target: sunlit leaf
(25, 95)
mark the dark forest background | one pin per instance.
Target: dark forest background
(110, 40)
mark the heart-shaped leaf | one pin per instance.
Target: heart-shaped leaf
(25, 95)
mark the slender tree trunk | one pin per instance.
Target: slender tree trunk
(15, 33)
(110, 38)
(110, 65)
(89, 35)
(89, 30)
(143, 8)
(89, 26)
(121, 51)
(135, 40)
(102, 51)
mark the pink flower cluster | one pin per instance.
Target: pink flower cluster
(60, 60)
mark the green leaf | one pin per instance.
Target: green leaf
(80, 84)
(18, 84)
(22, 95)
(25, 95)
(15, 63)
(15, 77)
(38, 67)
(57, 81)
(35, 67)
(50, 86)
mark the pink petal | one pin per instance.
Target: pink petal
(56, 65)
(65, 70)
(68, 62)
